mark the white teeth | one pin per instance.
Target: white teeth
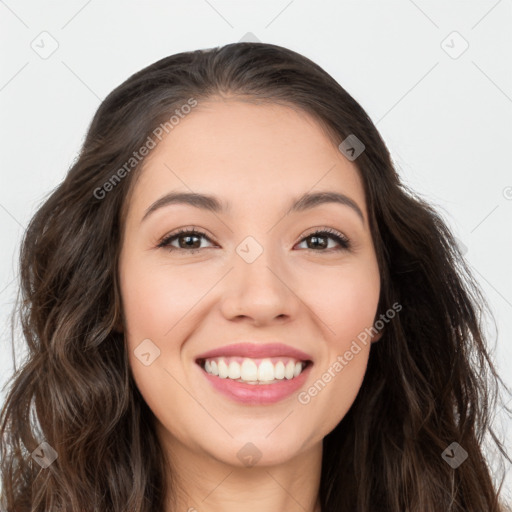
(268, 370)
(289, 370)
(279, 370)
(249, 370)
(234, 370)
(223, 369)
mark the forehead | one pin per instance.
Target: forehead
(250, 154)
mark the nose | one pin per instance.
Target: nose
(260, 291)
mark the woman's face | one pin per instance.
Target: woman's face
(260, 276)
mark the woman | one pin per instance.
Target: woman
(232, 302)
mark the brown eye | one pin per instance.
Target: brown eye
(319, 240)
(188, 240)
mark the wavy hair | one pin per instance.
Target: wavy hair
(430, 380)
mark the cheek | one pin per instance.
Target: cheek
(346, 303)
(155, 299)
(356, 309)
(150, 309)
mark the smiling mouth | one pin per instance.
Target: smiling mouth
(248, 370)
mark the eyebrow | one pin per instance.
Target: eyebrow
(211, 203)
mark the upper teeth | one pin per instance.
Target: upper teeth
(247, 369)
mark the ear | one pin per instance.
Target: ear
(377, 337)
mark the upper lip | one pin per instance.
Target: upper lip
(256, 350)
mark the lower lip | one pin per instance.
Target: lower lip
(257, 393)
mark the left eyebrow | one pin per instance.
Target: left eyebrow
(211, 203)
(311, 200)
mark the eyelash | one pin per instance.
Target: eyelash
(341, 239)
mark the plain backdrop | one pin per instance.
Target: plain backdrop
(435, 77)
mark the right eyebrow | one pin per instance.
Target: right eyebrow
(203, 201)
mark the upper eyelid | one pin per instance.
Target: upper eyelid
(186, 230)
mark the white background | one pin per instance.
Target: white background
(446, 118)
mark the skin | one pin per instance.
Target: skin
(259, 157)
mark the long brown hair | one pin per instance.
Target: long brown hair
(430, 381)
